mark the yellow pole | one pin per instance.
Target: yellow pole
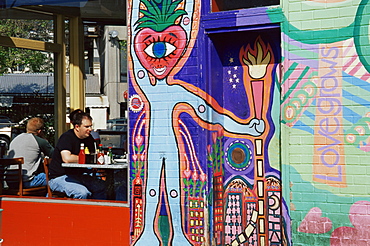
(76, 81)
(60, 107)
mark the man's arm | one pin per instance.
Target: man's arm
(45, 146)
(68, 157)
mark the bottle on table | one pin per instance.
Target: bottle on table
(100, 155)
(110, 155)
(81, 154)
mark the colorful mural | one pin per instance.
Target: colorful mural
(325, 112)
(206, 126)
(247, 191)
(200, 168)
(163, 33)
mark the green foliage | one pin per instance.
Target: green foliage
(32, 29)
(13, 59)
(135, 173)
(193, 188)
(215, 157)
(123, 45)
(160, 14)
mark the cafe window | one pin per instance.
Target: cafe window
(225, 5)
(27, 89)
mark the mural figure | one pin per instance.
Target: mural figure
(162, 34)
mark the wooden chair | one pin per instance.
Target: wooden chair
(14, 175)
(51, 193)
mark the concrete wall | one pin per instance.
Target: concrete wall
(112, 85)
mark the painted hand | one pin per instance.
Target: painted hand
(257, 126)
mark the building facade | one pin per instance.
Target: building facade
(249, 122)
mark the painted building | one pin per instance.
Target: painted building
(249, 122)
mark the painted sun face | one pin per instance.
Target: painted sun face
(158, 52)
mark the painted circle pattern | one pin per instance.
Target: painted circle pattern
(135, 103)
(238, 155)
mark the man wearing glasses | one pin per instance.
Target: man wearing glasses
(75, 182)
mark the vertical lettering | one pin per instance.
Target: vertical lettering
(328, 160)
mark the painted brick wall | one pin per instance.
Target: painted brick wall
(204, 127)
(182, 145)
(325, 120)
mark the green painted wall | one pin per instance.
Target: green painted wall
(326, 120)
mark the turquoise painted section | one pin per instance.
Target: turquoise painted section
(325, 117)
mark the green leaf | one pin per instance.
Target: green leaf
(210, 197)
(160, 14)
(147, 14)
(145, 19)
(173, 6)
(144, 25)
(152, 7)
(176, 15)
(141, 148)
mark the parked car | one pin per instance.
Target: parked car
(5, 119)
(5, 131)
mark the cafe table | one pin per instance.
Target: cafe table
(109, 168)
(105, 166)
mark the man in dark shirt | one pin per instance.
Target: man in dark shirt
(74, 181)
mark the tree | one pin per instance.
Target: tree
(24, 60)
(32, 61)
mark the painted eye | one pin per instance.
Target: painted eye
(159, 49)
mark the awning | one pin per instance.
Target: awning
(107, 12)
(94, 102)
(71, 3)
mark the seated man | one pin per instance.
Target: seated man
(32, 147)
(74, 181)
